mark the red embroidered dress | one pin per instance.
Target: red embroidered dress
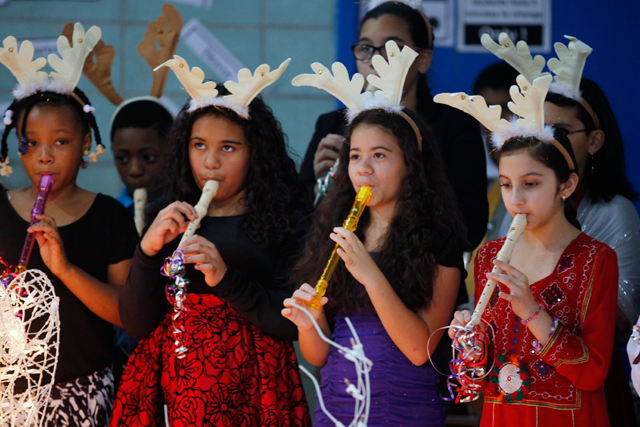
(563, 385)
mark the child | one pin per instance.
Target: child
(579, 108)
(240, 367)
(139, 133)
(86, 240)
(401, 269)
(606, 213)
(456, 135)
(554, 310)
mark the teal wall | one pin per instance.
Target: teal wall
(255, 31)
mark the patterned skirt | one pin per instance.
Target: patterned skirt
(232, 374)
(85, 402)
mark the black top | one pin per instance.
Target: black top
(105, 235)
(460, 142)
(255, 284)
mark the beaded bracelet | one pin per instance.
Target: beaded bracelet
(554, 326)
(537, 347)
(533, 316)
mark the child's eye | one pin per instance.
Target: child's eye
(379, 155)
(199, 146)
(505, 185)
(530, 184)
(228, 148)
(123, 160)
(31, 143)
(354, 157)
(150, 158)
(62, 142)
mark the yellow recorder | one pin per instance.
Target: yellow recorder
(351, 223)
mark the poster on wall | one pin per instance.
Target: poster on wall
(441, 18)
(528, 20)
(210, 50)
(440, 13)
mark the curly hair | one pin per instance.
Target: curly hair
(426, 225)
(273, 189)
(609, 177)
(551, 157)
(21, 109)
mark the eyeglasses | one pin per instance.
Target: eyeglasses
(567, 132)
(364, 52)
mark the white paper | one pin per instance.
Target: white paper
(205, 4)
(210, 50)
(528, 20)
(440, 14)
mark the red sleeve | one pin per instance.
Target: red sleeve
(584, 358)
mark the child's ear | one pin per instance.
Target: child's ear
(87, 143)
(424, 60)
(595, 141)
(570, 186)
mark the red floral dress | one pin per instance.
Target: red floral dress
(232, 375)
(563, 384)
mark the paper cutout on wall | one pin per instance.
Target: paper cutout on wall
(210, 50)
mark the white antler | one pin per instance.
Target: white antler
(518, 56)
(568, 66)
(192, 81)
(339, 85)
(389, 81)
(477, 107)
(69, 67)
(242, 93)
(21, 63)
(528, 102)
(249, 86)
(392, 74)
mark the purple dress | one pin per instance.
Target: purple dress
(401, 394)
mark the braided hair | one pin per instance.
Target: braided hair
(22, 107)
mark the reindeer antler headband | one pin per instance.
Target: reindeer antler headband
(63, 80)
(204, 94)
(528, 104)
(390, 81)
(567, 67)
(158, 45)
(68, 69)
